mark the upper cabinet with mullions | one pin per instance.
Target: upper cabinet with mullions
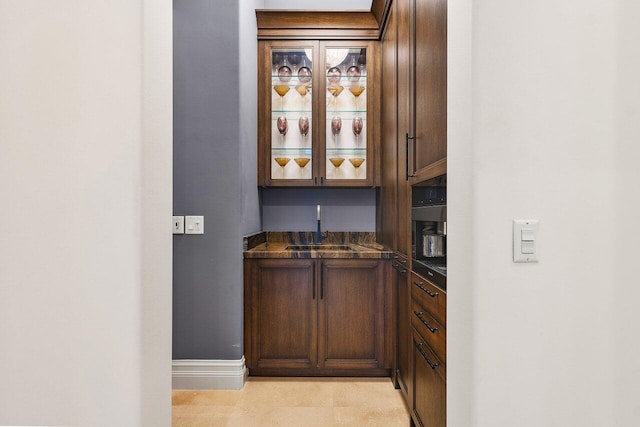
(318, 113)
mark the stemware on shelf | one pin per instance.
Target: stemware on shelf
(304, 73)
(353, 72)
(336, 125)
(284, 72)
(303, 125)
(282, 125)
(356, 126)
(356, 162)
(282, 161)
(336, 161)
(302, 161)
(334, 75)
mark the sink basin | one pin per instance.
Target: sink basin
(327, 247)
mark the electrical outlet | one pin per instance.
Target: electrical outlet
(178, 224)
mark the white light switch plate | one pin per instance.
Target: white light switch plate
(525, 240)
(178, 224)
(194, 224)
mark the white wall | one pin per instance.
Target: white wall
(85, 153)
(553, 136)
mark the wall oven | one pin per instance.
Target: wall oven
(429, 230)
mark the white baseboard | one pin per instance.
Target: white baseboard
(209, 374)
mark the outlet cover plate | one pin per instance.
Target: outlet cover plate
(178, 224)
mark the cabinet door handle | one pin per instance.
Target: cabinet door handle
(315, 180)
(321, 280)
(407, 138)
(420, 315)
(313, 275)
(432, 364)
(322, 180)
(421, 286)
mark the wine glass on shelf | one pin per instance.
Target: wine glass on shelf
(334, 75)
(282, 125)
(303, 125)
(356, 126)
(304, 73)
(281, 122)
(353, 72)
(336, 162)
(356, 162)
(336, 126)
(284, 72)
(282, 161)
(302, 161)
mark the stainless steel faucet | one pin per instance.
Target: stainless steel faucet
(319, 236)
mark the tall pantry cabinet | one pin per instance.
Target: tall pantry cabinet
(414, 149)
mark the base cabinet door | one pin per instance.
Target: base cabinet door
(429, 406)
(318, 317)
(403, 330)
(283, 314)
(352, 311)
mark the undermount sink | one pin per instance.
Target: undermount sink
(318, 247)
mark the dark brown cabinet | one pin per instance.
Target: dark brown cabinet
(394, 203)
(352, 313)
(422, 86)
(428, 314)
(283, 314)
(403, 330)
(317, 317)
(429, 403)
(319, 113)
(414, 149)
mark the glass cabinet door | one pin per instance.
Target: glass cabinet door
(291, 113)
(345, 145)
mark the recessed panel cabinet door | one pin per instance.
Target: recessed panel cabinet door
(351, 329)
(284, 315)
(430, 82)
(429, 386)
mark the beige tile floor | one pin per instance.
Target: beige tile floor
(294, 402)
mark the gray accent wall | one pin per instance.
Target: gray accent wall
(207, 269)
(342, 209)
(215, 175)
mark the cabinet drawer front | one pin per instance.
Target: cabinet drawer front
(433, 299)
(429, 402)
(430, 329)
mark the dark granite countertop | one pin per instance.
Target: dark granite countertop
(355, 245)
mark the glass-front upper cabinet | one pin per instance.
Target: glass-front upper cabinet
(316, 125)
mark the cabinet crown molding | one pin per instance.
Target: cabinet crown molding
(322, 24)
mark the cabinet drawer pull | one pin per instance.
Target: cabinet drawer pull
(399, 268)
(431, 364)
(420, 315)
(421, 286)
